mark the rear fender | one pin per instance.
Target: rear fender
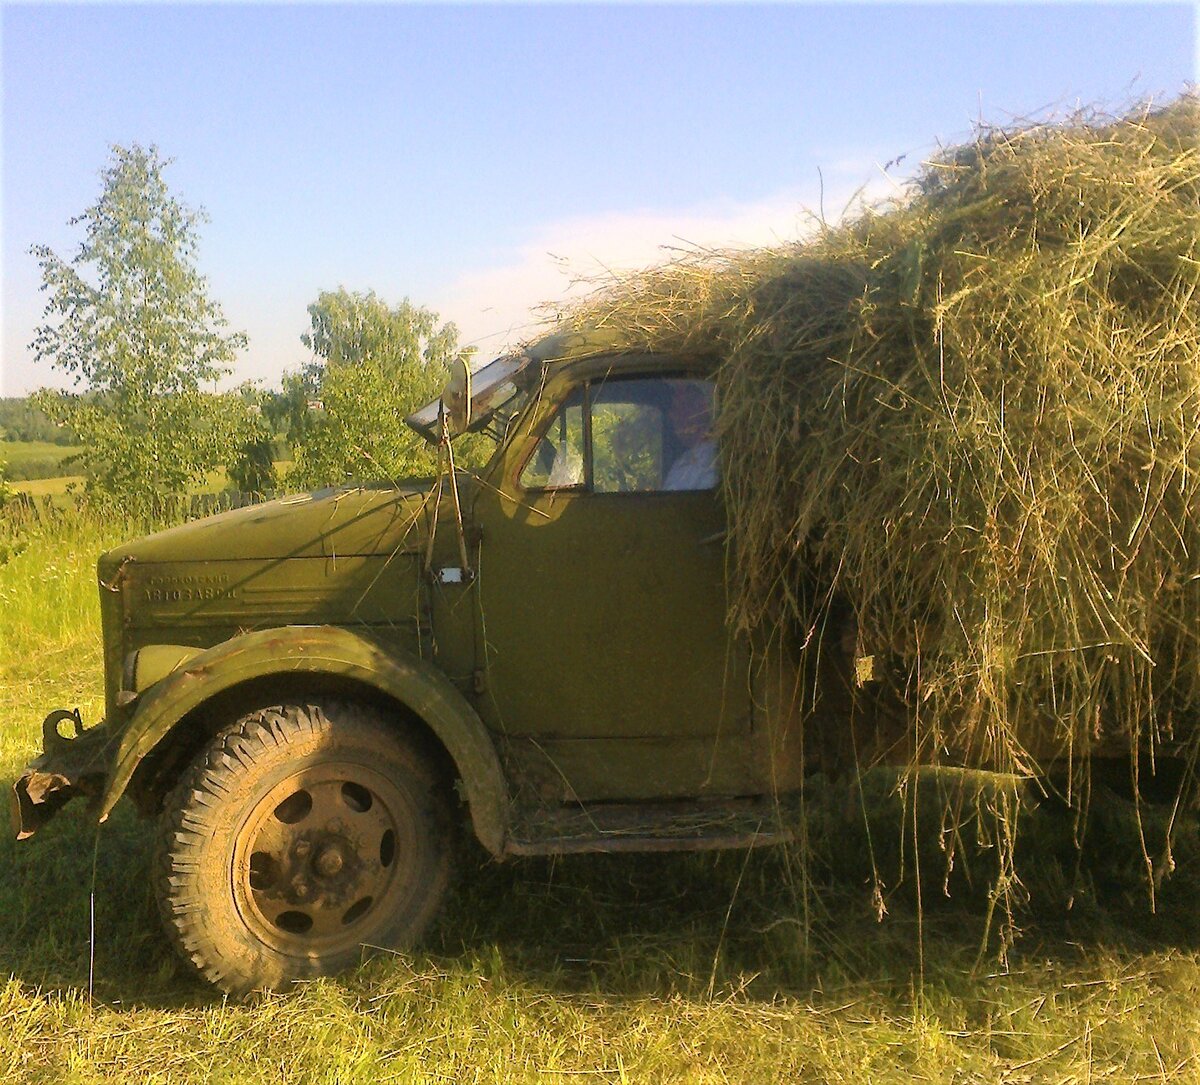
(418, 685)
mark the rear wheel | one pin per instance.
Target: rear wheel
(301, 837)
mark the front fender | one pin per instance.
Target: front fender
(415, 683)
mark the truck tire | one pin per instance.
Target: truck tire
(299, 839)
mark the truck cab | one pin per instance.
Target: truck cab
(311, 696)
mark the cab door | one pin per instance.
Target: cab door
(609, 670)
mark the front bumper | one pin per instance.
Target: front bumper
(67, 767)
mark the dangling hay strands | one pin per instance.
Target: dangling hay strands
(972, 417)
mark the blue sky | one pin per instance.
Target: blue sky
(478, 159)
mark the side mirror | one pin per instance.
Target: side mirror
(456, 396)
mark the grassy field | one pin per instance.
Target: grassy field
(59, 485)
(25, 460)
(56, 487)
(710, 968)
(48, 487)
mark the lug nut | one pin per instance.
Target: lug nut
(329, 862)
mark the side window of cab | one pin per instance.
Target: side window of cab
(557, 462)
(629, 435)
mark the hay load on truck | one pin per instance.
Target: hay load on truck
(919, 490)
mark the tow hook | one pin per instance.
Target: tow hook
(53, 741)
(68, 766)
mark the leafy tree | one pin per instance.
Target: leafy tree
(252, 467)
(130, 319)
(288, 411)
(253, 470)
(377, 363)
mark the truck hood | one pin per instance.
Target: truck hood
(325, 524)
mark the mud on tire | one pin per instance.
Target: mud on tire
(300, 838)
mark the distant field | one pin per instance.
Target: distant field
(53, 485)
(25, 460)
(42, 487)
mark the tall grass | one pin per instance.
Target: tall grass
(49, 620)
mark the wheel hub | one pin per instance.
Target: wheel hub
(329, 861)
(317, 856)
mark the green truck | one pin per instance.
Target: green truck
(317, 696)
(321, 698)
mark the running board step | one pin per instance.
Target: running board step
(673, 826)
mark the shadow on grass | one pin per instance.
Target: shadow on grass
(704, 925)
(696, 926)
(46, 906)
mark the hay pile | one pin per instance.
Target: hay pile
(972, 418)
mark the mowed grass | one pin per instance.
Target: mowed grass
(702, 968)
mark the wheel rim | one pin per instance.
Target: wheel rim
(322, 859)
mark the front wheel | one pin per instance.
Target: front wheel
(301, 837)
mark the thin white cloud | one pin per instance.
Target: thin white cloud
(500, 306)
